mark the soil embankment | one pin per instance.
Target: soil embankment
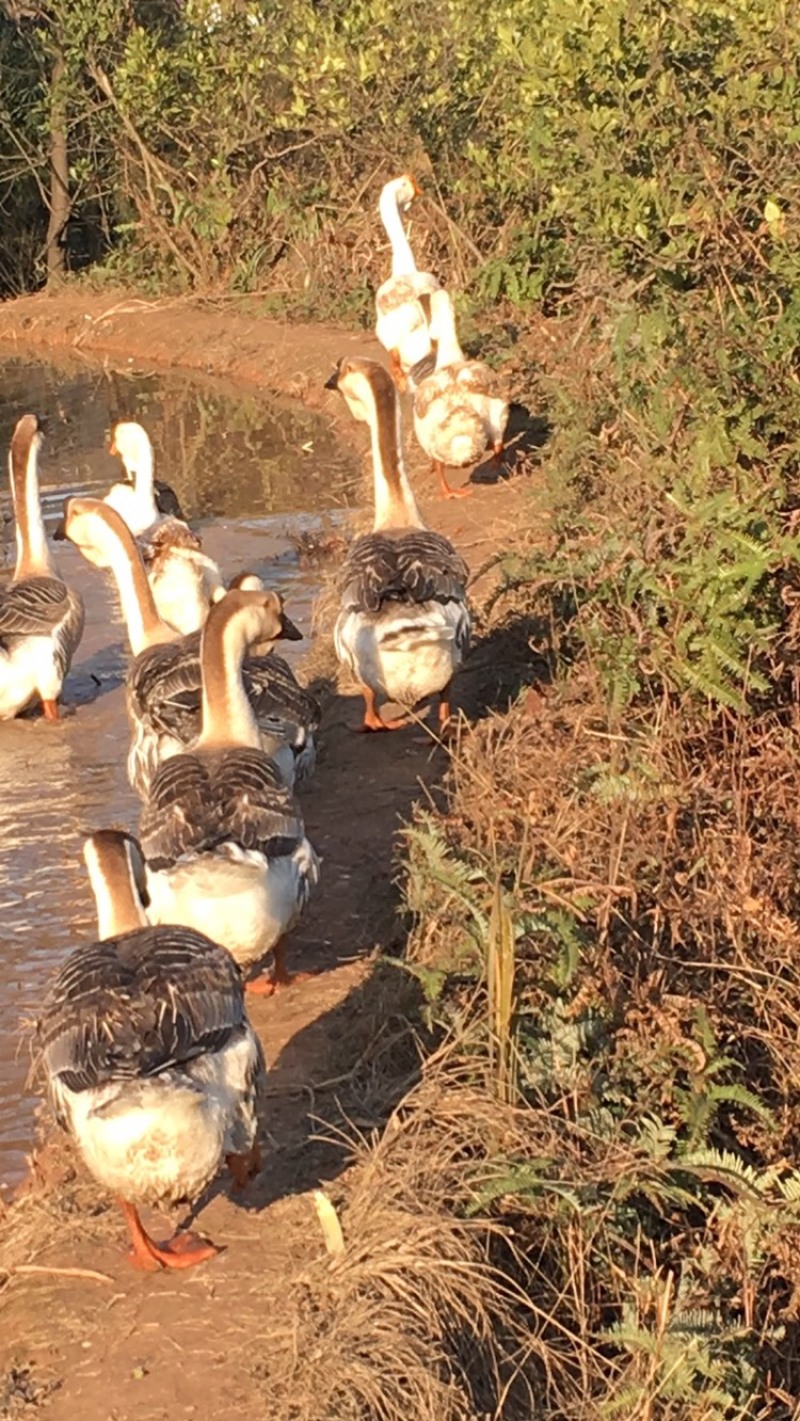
(135, 1348)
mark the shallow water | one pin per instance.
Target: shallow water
(252, 471)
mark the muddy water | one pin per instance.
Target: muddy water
(250, 472)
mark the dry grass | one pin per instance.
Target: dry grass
(416, 1318)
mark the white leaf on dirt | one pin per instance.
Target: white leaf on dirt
(329, 1223)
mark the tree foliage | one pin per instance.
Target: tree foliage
(240, 142)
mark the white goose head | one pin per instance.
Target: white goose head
(131, 443)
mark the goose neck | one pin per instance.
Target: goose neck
(228, 718)
(145, 627)
(33, 554)
(443, 329)
(395, 505)
(117, 902)
(403, 263)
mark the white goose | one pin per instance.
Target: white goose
(150, 1060)
(184, 580)
(402, 302)
(164, 680)
(460, 410)
(223, 838)
(41, 619)
(404, 624)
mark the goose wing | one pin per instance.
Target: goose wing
(164, 688)
(275, 692)
(419, 566)
(33, 607)
(42, 606)
(200, 802)
(137, 1005)
(479, 379)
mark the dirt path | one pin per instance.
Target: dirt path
(134, 1348)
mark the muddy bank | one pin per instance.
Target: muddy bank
(230, 340)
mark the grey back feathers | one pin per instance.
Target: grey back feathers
(200, 802)
(137, 1005)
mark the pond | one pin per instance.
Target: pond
(250, 472)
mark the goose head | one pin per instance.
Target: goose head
(403, 190)
(94, 528)
(363, 384)
(260, 612)
(131, 443)
(238, 623)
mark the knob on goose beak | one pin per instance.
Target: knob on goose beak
(332, 382)
(60, 533)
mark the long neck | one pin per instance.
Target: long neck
(395, 505)
(119, 908)
(403, 263)
(228, 718)
(448, 349)
(141, 466)
(145, 627)
(33, 554)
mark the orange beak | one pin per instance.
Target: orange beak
(112, 448)
(415, 185)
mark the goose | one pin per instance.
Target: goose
(404, 625)
(182, 577)
(143, 500)
(163, 680)
(459, 410)
(223, 838)
(41, 619)
(149, 1059)
(402, 302)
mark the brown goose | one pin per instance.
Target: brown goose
(41, 619)
(150, 1060)
(163, 681)
(404, 625)
(224, 839)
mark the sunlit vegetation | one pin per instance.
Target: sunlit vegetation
(605, 922)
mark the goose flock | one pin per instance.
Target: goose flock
(143, 1038)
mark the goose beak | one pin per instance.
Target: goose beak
(289, 631)
(332, 382)
(112, 448)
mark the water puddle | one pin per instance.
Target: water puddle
(249, 471)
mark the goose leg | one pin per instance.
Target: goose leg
(444, 487)
(372, 720)
(444, 706)
(50, 710)
(281, 976)
(499, 449)
(397, 371)
(184, 1250)
(244, 1167)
